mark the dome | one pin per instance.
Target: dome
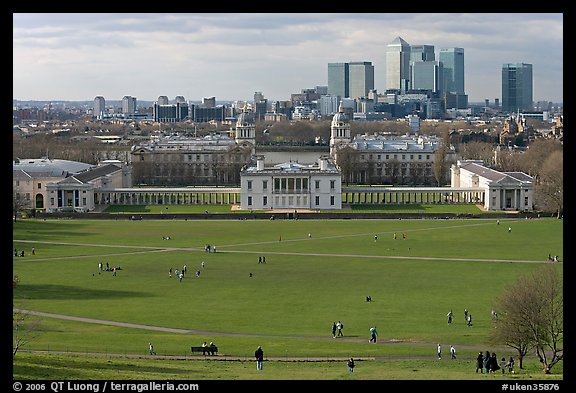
(340, 118)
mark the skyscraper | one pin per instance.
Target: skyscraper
(422, 53)
(338, 75)
(128, 106)
(99, 107)
(453, 62)
(517, 87)
(427, 75)
(397, 65)
(361, 79)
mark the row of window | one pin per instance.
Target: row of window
(290, 184)
(300, 201)
(394, 156)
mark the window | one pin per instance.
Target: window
(51, 201)
(525, 201)
(249, 201)
(264, 184)
(332, 184)
(419, 156)
(264, 200)
(249, 183)
(411, 156)
(317, 200)
(379, 156)
(39, 186)
(83, 201)
(331, 200)
(197, 157)
(317, 183)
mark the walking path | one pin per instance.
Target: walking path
(228, 357)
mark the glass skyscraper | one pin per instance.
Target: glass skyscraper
(453, 62)
(353, 79)
(338, 84)
(517, 87)
(397, 65)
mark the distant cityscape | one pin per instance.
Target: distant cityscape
(416, 84)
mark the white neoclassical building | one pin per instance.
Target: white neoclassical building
(291, 186)
(502, 190)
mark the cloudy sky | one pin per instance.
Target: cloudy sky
(68, 56)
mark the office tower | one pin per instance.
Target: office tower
(180, 100)
(209, 102)
(422, 53)
(99, 107)
(453, 62)
(361, 78)
(338, 82)
(128, 105)
(427, 75)
(163, 100)
(516, 87)
(397, 65)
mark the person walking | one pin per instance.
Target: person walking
(511, 365)
(350, 365)
(334, 330)
(439, 351)
(450, 315)
(259, 354)
(373, 334)
(486, 363)
(480, 363)
(452, 352)
(340, 326)
(151, 348)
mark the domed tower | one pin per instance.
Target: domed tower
(246, 127)
(339, 130)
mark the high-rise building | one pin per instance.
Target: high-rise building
(99, 107)
(350, 80)
(129, 106)
(517, 87)
(338, 79)
(361, 78)
(422, 53)
(397, 65)
(163, 100)
(453, 62)
(427, 75)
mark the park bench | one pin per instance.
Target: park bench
(210, 350)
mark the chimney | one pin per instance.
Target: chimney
(259, 163)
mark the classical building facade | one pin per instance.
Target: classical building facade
(185, 161)
(502, 190)
(291, 186)
(386, 159)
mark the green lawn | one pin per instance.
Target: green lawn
(316, 272)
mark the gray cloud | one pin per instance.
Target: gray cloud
(231, 55)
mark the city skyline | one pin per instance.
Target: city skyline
(77, 57)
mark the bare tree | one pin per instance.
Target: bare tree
(549, 190)
(26, 328)
(531, 316)
(476, 150)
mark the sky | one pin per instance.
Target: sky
(230, 56)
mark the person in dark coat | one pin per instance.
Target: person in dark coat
(486, 363)
(259, 355)
(334, 330)
(480, 363)
(494, 363)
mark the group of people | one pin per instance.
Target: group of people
(21, 253)
(180, 274)
(488, 363)
(467, 317)
(209, 349)
(337, 329)
(452, 351)
(108, 268)
(552, 258)
(209, 248)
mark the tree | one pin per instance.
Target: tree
(549, 190)
(531, 317)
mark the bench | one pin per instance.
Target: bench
(210, 350)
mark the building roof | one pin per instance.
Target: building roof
(497, 177)
(97, 172)
(293, 167)
(395, 144)
(45, 167)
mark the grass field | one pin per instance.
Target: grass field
(316, 272)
